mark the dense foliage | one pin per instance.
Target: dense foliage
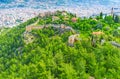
(50, 57)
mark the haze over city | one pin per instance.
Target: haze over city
(13, 12)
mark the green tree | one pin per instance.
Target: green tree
(101, 15)
(117, 19)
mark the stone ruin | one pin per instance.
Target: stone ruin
(28, 37)
(46, 14)
(30, 28)
(115, 44)
(63, 28)
(97, 38)
(60, 28)
(72, 39)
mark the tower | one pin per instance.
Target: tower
(112, 11)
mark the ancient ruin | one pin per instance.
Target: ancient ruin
(97, 37)
(30, 28)
(72, 39)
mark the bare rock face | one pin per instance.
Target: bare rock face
(72, 39)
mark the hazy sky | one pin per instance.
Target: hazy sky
(39, 3)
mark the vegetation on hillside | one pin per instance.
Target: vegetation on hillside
(48, 55)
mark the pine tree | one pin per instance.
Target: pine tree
(101, 15)
(117, 19)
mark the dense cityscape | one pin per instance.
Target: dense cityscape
(15, 12)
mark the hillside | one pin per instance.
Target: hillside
(60, 45)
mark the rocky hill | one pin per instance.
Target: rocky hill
(60, 45)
